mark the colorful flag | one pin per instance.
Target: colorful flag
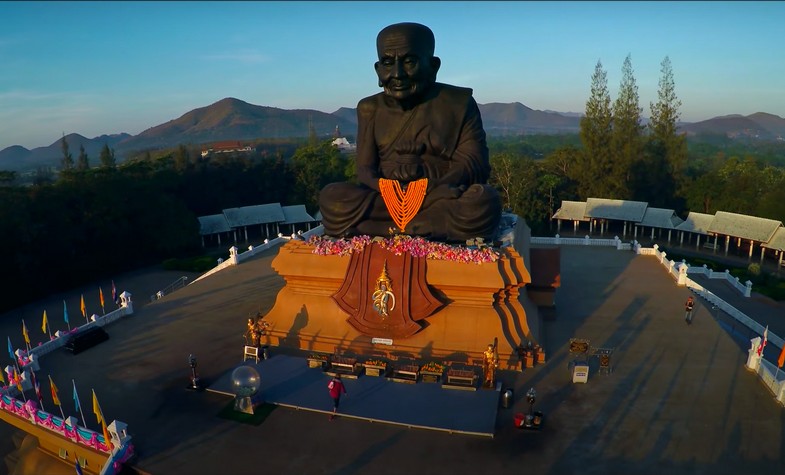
(65, 312)
(24, 333)
(101, 296)
(76, 396)
(78, 468)
(765, 340)
(97, 409)
(36, 385)
(18, 380)
(11, 349)
(114, 293)
(43, 324)
(55, 399)
(107, 440)
(84, 309)
(781, 359)
(2, 378)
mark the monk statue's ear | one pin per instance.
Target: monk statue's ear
(376, 67)
(436, 62)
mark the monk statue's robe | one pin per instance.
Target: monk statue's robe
(442, 139)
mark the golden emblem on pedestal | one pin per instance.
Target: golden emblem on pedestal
(383, 297)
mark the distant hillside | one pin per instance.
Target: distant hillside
(18, 158)
(760, 125)
(516, 118)
(347, 114)
(233, 119)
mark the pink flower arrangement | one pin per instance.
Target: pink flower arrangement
(416, 246)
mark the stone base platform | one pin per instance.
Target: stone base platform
(482, 302)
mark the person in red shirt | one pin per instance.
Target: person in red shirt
(688, 306)
(336, 388)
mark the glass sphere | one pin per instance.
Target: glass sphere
(245, 381)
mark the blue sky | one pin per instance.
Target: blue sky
(108, 67)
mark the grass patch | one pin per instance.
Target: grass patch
(763, 283)
(260, 414)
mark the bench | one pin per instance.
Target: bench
(86, 339)
(461, 379)
(406, 373)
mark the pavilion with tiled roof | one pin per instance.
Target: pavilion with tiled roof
(659, 218)
(574, 211)
(743, 231)
(294, 215)
(743, 227)
(697, 224)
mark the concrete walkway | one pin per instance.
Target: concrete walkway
(679, 400)
(288, 381)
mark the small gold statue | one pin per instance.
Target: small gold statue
(490, 362)
(383, 298)
(255, 330)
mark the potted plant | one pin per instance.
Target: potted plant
(375, 367)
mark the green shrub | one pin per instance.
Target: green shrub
(754, 269)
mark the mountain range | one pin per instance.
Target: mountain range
(233, 119)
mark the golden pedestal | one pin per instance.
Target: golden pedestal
(481, 302)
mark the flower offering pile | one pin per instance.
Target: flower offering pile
(416, 246)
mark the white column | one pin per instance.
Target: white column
(682, 274)
(753, 360)
(751, 244)
(727, 244)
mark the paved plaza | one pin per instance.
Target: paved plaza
(678, 401)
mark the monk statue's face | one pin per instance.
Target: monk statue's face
(406, 66)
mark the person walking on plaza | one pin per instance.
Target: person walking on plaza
(688, 310)
(336, 388)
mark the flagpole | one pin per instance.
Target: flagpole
(76, 398)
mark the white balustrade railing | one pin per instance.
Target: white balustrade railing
(235, 258)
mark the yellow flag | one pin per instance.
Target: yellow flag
(43, 325)
(18, 381)
(24, 332)
(2, 378)
(97, 409)
(55, 399)
(106, 435)
(84, 310)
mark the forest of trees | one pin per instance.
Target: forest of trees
(92, 219)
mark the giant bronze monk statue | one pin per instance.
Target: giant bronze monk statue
(416, 129)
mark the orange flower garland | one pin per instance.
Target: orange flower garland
(403, 205)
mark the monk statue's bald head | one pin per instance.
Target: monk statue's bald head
(413, 33)
(406, 66)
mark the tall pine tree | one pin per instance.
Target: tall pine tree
(627, 138)
(82, 162)
(67, 162)
(666, 148)
(107, 157)
(596, 162)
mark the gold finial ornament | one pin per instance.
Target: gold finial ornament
(383, 297)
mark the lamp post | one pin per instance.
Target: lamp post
(531, 397)
(194, 378)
